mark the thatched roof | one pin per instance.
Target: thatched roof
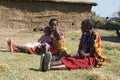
(73, 1)
(67, 1)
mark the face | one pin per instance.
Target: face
(53, 24)
(85, 29)
(47, 31)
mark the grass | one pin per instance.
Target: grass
(19, 66)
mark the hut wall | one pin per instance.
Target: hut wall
(21, 15)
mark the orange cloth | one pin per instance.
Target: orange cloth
(31, 50)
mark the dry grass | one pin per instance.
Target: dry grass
(19, 66)
(4, 68)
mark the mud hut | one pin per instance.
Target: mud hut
(21, 14)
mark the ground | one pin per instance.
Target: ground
(22, 36)
(19, 66)
(19, 37)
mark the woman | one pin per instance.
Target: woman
(58, 38)
(89, 51)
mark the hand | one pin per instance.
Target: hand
(54, 28)
(81, 54)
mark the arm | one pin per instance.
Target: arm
(82, 54)
(57, 34)
(40, 39)
(81, 42)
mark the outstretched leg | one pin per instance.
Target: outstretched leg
(57, 65)
(23, 49)
(15, 48)
(10, 45)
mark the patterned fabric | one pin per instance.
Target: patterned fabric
(97, 49)
(93, 46)
(59, 44)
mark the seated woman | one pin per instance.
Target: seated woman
(89, 51)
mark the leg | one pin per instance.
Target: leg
(60, 67)
(41, 62)
(14, 48)
(45, 61)
(57, 65)
(46, 64)
(21, 49)
(10, 45)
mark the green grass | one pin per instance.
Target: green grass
(19, 66)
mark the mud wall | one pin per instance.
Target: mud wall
(25, 14)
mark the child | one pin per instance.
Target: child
(32, 48)
(46, 38)
(58, 37)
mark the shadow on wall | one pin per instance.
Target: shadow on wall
(35, 6)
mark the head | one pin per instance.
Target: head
(53, 23)
(47, 30)
(87, 25)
